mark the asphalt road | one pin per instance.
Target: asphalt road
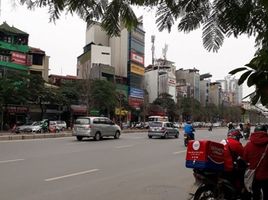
(133, 168)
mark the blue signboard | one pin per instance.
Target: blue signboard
(135, 92)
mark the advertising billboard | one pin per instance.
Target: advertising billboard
(19, 58)
(135, 102)
(135, 92)
(137, 58)
(137, 69)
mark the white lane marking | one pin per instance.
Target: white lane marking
(70, 175)
(9, 161)
(178, 152)
(30, 140)
(124, 146)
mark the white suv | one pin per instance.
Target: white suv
(96, 127)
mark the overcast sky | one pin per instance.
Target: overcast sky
(64, 42)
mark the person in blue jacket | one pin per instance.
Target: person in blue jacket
(189, 130)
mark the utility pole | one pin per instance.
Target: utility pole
(153, 48)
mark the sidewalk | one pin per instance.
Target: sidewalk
(5, 135)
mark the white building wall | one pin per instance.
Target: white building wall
(100, 55)
(119, 47)
(95, 34)
(150, 84)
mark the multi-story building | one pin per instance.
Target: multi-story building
(215, 94)
(126, 54)
(191, 78)
(160, 78)
(232, 92)
(95, 63)
(205, 89)
(17, 55)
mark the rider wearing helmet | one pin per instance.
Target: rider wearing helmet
(189, 130)
(233, 152)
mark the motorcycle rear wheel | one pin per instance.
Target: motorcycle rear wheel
(204, 193)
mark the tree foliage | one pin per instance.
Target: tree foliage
(103, 96)
(166, 102)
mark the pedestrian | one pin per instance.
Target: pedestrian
(253, 152)
(247, 130)
(230, 126)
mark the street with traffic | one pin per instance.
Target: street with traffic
(64, 168)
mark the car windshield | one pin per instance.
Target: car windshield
(156, 124)
(82, 121)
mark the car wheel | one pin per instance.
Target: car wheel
(166, 136)
(176, 135)
(79, 138)
(149, 136)
(97, 136)
(117, 135)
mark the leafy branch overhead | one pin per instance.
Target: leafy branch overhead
(217, 18)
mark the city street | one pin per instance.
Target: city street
(133, 168)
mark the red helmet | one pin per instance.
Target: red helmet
(234, 133)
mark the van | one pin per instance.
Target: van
(95, 127)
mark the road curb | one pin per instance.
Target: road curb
(49, 135)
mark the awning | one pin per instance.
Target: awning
(78, 109)
(14, 66)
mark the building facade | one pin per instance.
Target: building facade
(126, 57)
(17, 55)
(191, 78)
(232, 92)
(160, 78)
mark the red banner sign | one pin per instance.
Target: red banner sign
(18, 58)
(135, 102)
(137, 58)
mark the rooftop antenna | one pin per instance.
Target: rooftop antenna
(164, 52)
(153, 48)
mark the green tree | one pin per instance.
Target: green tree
(168, 104)
(218, 19)
(14, 89)
(103, 96)
(70, 92)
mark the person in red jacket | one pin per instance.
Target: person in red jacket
(253, 152)
(233, 151)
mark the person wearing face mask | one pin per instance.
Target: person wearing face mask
(256, 152)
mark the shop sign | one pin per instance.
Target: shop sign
(78, 109)
(137, 58)
(171, 81)
(19, 58)
(137, 93)
(135, 102)
(17, 109)
(137, 69)
(121, 111)
(94, 113)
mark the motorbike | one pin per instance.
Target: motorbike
(213, 185)
(187, 138)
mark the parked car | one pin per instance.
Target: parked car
(59, 125)
(163, 130)
(38, 127)
(21, 128)
(95, 127)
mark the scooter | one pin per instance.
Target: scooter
(212, 185)
(187, 138)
